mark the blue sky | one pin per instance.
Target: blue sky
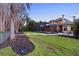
(49, 11)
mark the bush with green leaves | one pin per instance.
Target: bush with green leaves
(76, 28)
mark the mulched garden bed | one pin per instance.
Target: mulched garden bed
(21, 45)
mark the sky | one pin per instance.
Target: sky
(51, 11)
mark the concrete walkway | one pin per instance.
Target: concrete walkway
(65, 34)
(62, 34)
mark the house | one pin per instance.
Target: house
(58, 25)
(51, 28)
(40, 26)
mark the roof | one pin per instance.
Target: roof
(52, 20)
(66, 21)
(59, 19)
(51, 25)
(43, 23)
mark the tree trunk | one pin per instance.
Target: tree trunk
(12, 30)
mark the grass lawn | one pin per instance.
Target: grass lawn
(49, 45)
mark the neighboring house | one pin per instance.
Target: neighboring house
(58, 25)
(50, 28)
(40, 26)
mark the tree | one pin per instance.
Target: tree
(11, 15)
(18, 11)
(76, 28)
(4, 17)
(31, 25)
(25, 20)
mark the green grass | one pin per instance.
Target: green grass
(48, 45)
(54, 45)
(7, 52)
